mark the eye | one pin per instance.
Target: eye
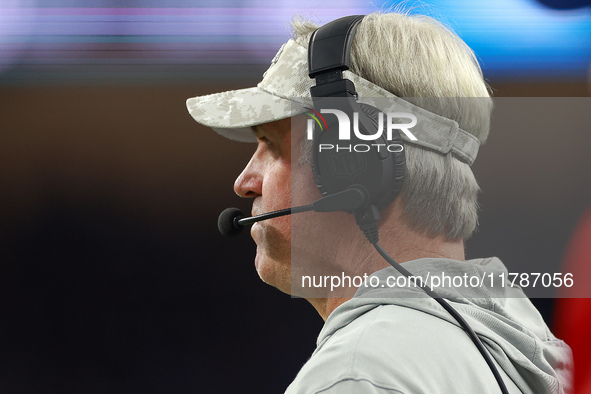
(266, 141)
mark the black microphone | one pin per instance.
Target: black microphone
(231, 221)
(226, 222)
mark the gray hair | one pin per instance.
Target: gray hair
(417, 58)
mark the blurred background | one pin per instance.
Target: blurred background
(113, 277)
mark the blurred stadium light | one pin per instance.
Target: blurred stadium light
(157, 40)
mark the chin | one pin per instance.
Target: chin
(273, 273)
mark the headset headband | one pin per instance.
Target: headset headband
(330, 46)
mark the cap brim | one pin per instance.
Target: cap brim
(233, 113)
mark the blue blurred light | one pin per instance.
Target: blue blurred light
(519, 38)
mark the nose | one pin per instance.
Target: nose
(249, 183)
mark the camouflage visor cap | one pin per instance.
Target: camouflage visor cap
(285, 91)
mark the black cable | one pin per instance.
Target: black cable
(452, 312)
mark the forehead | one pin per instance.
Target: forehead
(279, 127)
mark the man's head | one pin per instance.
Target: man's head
(392, 55)
(417, 58)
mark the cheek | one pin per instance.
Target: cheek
(277, 188)
(304, 190)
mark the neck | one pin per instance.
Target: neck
(358, 257)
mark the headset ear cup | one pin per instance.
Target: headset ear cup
(381, 178)
(372, 112)
(393, 187)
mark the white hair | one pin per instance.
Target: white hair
(419, 59)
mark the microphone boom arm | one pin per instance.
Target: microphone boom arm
(347, 200)
(241, 222)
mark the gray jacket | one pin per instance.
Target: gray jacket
(395, 340)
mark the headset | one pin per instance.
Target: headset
(361, 183)
(379, 174)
